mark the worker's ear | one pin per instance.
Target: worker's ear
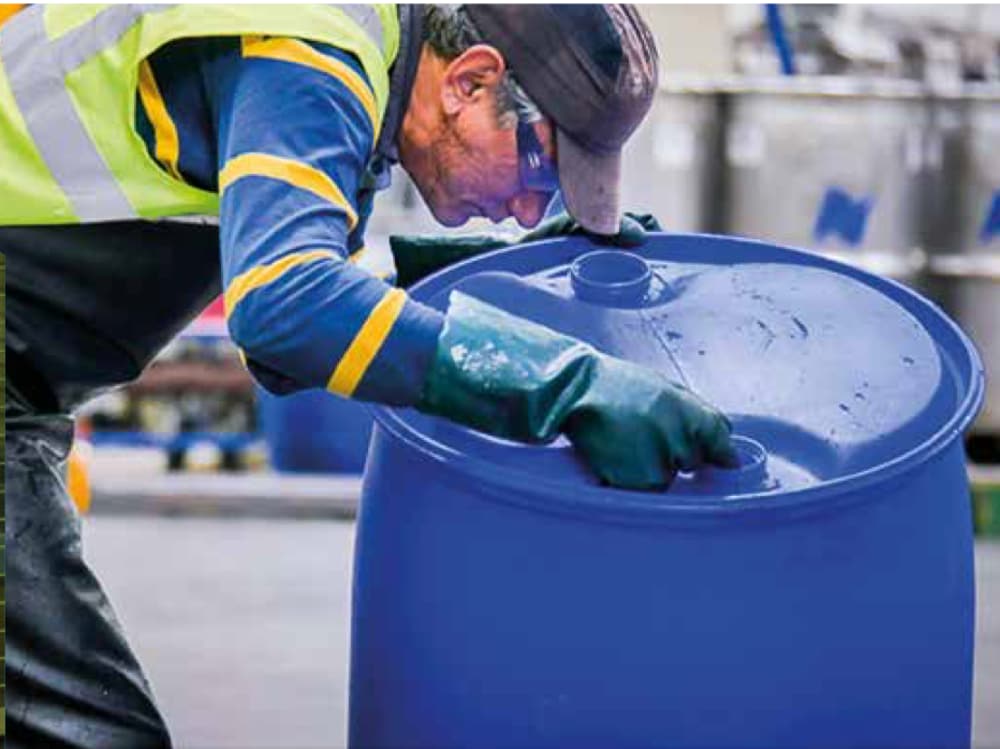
(470, 76)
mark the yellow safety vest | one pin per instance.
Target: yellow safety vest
(69, 151)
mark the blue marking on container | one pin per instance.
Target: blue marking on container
(821, 595)
(991, 224)
(843, 216)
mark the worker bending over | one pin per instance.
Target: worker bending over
(284, 121)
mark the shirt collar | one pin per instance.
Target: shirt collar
(401, 78)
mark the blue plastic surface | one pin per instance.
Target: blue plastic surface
(821, 595)
(315, 432)
(991, 224)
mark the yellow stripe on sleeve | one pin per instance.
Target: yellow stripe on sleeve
(254, 278)
(359, 253)
(292, 172)
(366, 344)
(296, 51)
(167, 143)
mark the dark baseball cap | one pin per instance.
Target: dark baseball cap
(592, 70)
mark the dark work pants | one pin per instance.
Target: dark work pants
(72, 680)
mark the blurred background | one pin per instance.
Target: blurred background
(220, 518)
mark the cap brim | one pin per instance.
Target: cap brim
(590, 184)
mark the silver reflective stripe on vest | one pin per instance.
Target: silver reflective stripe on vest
(367, 18)
(104, 30)
(36, 70)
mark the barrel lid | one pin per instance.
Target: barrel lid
(826, 372)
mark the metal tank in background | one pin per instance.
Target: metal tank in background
(962, 225)
(671, 163)
(828, 164)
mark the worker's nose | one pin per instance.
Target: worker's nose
(528, 208)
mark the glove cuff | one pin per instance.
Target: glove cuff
(418, 257)
(503, 374)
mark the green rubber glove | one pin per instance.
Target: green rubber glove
(420, 256)
(417, 257)
(631, 232)
(516, 379)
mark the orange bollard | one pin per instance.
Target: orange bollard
(78, 480)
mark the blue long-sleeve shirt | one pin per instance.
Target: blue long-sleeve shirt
(284, 129)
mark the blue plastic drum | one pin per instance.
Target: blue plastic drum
(313, 431)
(820, 595)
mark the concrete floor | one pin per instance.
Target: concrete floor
(243, 641)
(986, 712)
(242, 625)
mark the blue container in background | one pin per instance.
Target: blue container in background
(313, 431)
(820, 595)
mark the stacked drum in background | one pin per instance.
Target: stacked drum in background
(963, 231)
(671, 164)
(832, 165)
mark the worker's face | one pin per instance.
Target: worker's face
(471, 167)
(477, 171)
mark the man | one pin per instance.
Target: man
(284, 121)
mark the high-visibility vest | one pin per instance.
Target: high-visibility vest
(69, 151)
